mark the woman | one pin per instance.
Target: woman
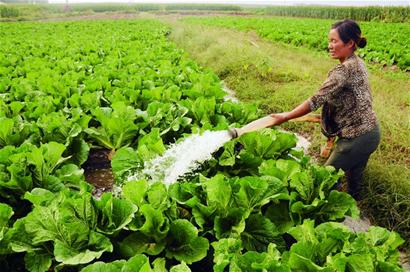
(345, 98)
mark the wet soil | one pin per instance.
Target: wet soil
(98, 172)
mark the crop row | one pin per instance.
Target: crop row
(387, 43)
(42, 9)
(258, 205)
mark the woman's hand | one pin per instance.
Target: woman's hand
(302, 109)
(279, 118)
(264, 122)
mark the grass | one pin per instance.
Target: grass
(278, 78)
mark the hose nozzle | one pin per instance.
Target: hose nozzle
(233, 132)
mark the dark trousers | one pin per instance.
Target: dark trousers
(351, 155)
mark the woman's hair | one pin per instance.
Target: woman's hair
(350, 30)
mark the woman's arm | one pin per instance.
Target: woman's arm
(302, 109)
(337, 78)
(273, 119)
(334, 83)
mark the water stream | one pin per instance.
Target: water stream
(187, 155)
(183, 157)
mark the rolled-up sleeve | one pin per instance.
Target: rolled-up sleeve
(336, 80)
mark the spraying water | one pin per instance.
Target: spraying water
(183, 157)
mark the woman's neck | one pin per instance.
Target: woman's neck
(342, 59)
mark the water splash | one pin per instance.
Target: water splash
(183, 157)
(302, 143)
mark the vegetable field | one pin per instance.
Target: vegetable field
(388, 43)
(68, 89)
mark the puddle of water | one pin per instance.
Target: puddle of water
(100, 178)
(357, 225)
(230, 94)
(97, 171)
(405, 261)
(302, 143)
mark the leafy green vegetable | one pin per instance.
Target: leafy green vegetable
(138, 262)
(37, 261)
(118, 127)
(67, 224)
(184, 243)
(180, 268)
(113, 214)
(259, 233)
(14, 131)
(6, 212)
(45, 160)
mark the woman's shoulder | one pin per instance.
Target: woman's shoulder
(356, 66)
(340, 70)
(354, 62)
(352, 65)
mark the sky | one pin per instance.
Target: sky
(261, 2)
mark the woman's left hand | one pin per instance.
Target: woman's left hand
(279, 118)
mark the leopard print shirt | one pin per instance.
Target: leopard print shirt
(346, 100)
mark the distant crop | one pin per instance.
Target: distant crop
(41, 10)
(384, 14)
(205, 7)
(108, 7)
(387, 43)
(8, 12)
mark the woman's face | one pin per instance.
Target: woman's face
(337, 48)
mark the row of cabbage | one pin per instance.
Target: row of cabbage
(258, 205)
(387, 43)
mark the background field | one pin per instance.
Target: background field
(388, 42)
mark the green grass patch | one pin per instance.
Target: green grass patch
(279, 77)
